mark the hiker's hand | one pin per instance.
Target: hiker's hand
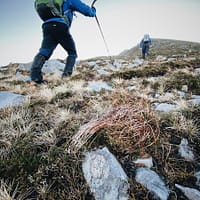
(94, 9)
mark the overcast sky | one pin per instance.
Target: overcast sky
(123, 22)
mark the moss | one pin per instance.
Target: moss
(180, 79)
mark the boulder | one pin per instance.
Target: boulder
(105, 176)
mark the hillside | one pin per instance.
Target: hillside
(165, 47)
(145, 112)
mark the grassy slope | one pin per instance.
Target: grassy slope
(34, 136)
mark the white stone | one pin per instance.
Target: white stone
(190, 193)
(98, 86)
(166, 107)
(10, 99)
(105, 176)
(197, 175)
(197, 70)
(185, 151)
(152, 182)
(147, 162)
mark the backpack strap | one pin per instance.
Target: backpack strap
(54, 9)
(56, 12)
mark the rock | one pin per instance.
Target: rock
(197, 70)
(197, 175)
(25, 66)
(20, 76)
(10, 99)
(189, 59)
(152, 182)
(190, 193)
(195, 100)
(184, 88)
(171, 59)
(166, 107)
(147, 162)
(53, 67)
(185, 150)
(102, 72)
(105, 176)
(161, 58)
(50, 66)
(98, 86)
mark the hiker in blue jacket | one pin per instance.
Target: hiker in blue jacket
(145, 44)
(56, 31)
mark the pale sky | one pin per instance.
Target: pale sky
(124, 22)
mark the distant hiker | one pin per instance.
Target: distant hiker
(57, 16)
(145, 45)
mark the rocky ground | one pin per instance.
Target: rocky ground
(144, 112)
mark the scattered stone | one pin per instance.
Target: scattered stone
(189, 59)
(171, 59)
(190, 193)
(184, 88)
(92, 63)
(181, 94)
(25, 66)
(166, 107)
(138, 62)
(98, 86)
(197, 175)
(50, 66)
(195, 100)
(20, 76)
(197, 71)
(152, 182)
(146, 162)
(53, 67)
(105, 176)
(102, 72)
(131, 88)
(10, 99)
(161, 58)
(185, 151)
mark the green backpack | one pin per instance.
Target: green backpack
(48, 9)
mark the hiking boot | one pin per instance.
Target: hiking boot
(38, 62)
(65, 76)
(37, 83)
(68, 70)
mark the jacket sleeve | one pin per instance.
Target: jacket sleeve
(84, 9)
(141, 43)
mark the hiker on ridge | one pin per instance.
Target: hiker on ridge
(57, 16)
(145, 44)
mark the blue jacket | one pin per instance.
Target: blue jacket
(142, 43)
(69, 7)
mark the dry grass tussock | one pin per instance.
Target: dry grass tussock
(14, 123)
(9, 192)
(129, 124)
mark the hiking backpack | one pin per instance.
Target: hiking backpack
(48, 9)
(146, 38)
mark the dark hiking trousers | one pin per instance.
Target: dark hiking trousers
(54, 33)
(145, 50)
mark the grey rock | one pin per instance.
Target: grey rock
(10, 99)
(185, 151)
(190, 193)
(98, 86)
(105, 176)
(152, 182)
(197, 175)
(167, 107)
(147, 162)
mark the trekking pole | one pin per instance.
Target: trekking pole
(100, 29)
